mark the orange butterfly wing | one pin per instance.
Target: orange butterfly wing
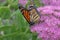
(26, 15)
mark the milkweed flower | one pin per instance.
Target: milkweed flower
(50, 28)
(51, 2)
(46, 32)
(23, 2)
(50, 10)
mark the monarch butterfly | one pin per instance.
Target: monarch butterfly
(30, 15)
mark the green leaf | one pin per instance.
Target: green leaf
(4, 12)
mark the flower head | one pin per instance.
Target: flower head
(51, 2)
(50, 28)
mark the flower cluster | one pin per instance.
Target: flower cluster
(50, 28)
(51, 2)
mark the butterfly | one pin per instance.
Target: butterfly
(31, 14)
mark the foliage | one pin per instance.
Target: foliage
(12, 24)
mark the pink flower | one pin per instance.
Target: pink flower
(50, 28)
(50, 10)
(51, 2)
(23, 2)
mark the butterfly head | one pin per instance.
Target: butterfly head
(20, 6)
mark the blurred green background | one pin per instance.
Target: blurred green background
(13, 26)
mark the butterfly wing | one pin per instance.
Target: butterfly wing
(34, 15)
(26, 14)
